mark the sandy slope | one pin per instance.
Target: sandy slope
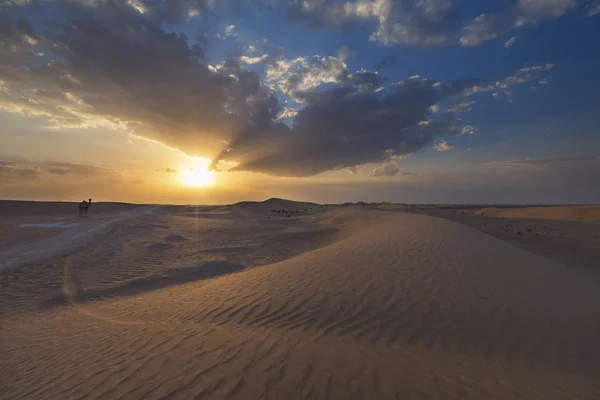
(396, 305)
(78, 231)
(563, 213)
(556, 234)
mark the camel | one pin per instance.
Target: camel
(84, 206)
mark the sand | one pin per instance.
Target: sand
(569, 235)
(351, 302)
(564, 213)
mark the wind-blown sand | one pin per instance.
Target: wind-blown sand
(353, 302)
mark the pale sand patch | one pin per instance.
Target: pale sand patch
(396, 305)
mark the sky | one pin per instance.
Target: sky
(219, 101)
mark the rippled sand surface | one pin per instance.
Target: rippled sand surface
(238, 303)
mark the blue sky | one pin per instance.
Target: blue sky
(441, 100)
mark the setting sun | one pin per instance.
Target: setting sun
(197, 176)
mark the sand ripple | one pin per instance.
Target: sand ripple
(397, 306)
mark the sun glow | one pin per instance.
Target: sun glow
(197, 176)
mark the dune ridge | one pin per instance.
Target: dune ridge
(396, 305)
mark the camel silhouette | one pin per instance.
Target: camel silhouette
(83, 207)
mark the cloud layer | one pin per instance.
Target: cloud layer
(24, 170)
(112, 63)
(431, 22)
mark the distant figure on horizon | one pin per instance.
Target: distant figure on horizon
(84, 206)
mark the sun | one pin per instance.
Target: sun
(197, 176)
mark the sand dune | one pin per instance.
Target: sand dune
(563, 213)
(573, 243)
(80, 233)
(349, 303)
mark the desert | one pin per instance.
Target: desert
(370, 301)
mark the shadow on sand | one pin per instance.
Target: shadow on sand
(158, 280)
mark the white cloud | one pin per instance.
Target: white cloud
(443, 146)
(467, 130)
(389, 168)
(526, 12)
(522, 75)
(287, 113)
(420, 23)
(254, 60)
(510, 42)
(462, 106)
(300, 73)
(431, 22)
(229, 31)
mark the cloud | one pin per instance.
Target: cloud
(526, 12)
(510, 42)
(549, 163)
(461, 106)
(353, 170)
(520, 76)
(467, 130)
(254, 60)
(428, 23)
(412, 22)
(594, 8)
(302, 74)
(287, 113)
(443, 146)
(346, 125)
(23, 169)
(229, 31)
(111, 64)
(13, 171)
(389, 168)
